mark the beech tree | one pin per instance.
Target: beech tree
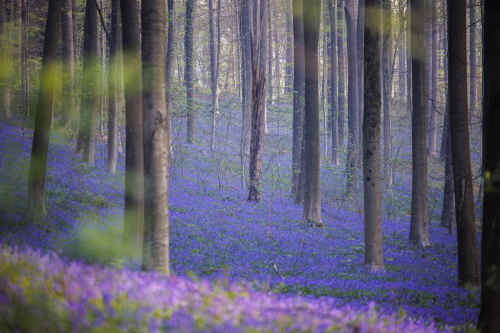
(156, 226)
(43, 118)
(419, 224)
(312, 191)
(298, 99)
(334, 81)
(387, 46)
(371, 137)
(189, 71)
(112, 87)
(68, 100)
(134, 163)
(489, 315)
(468, 261)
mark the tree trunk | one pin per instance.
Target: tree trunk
(25, 83)
(341, 67)
(434, 93)
(387, 78)
(489, 315)
(371, 138)
(89, 84)
(468, 261)
(334, 81)
(169, 65)
(360, 54)
(156, 227)
(134, 163)
(472, 57)
(213, 72)
(352, 67)
(43, 118)
(270, 54)
(312, 190)
(298, 97)
(68, 101)
(113, 86)
(448, 211)
(446, 126)
(246, 25)
(5, 72)
(289, 71)
(419, 224)
(189, 71)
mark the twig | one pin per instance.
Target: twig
(102, 22)
(276, 270)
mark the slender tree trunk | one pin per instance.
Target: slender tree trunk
(334, 81)
(341, 67)
(433, 71)
(189, 71)
(25, 83)
(409, 100)
(134, 162)
(489, 315)
(446, 126)
(213, 72)
(419, 224)
(156, 227)
(169, 66)
(387, 78)
(472, 57)
(448, 211)
(113, 87)
(312, 190)
(89, 84)
(270, 54)
(289, 49)
(298, 97)
(402, 56)
(5, 71)
(43, 118)
(247, 82)
(68, 101)
(360, 53)
(371, 138)
(352, 66)
(468, 261)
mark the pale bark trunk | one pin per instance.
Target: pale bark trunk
(113, 87)
(189, 71)
(371, 139)
(156, 137)
(334, 81)
(387, 89)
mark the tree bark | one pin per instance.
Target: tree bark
(352, 120)
(289, 78)
(387, 78)
(419, 224)
(489, 315)
(169, 65)
(468, 261)
(89, 84)
(189, 71)
(360, 53)
(156, 226)
(298, 100)
(246, 25)
(113, 87)
(334, 81)
(134, 162)
(371, 138)
(43, 118)
(472, 57)
(213, 72)
(341, 67)
(434, 93)
(5, 71)
(312, 190)
(68, 100)
(25, 83)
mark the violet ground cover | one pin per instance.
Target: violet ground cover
(217, 236)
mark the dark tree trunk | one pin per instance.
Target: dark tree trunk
(341, 67)
(371, 138)
(134, 162)
(312, 190)
(360, 54)
(468, 261)
(113, 87)
(448, 211)
(298, 96)
(472, 57)
(189, 72)
(419, 225)
(89, 84)
(352, 67)
(334, 81)
(489, 315)
(156, 228)
(43, 118)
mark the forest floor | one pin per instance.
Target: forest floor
(296, 277)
